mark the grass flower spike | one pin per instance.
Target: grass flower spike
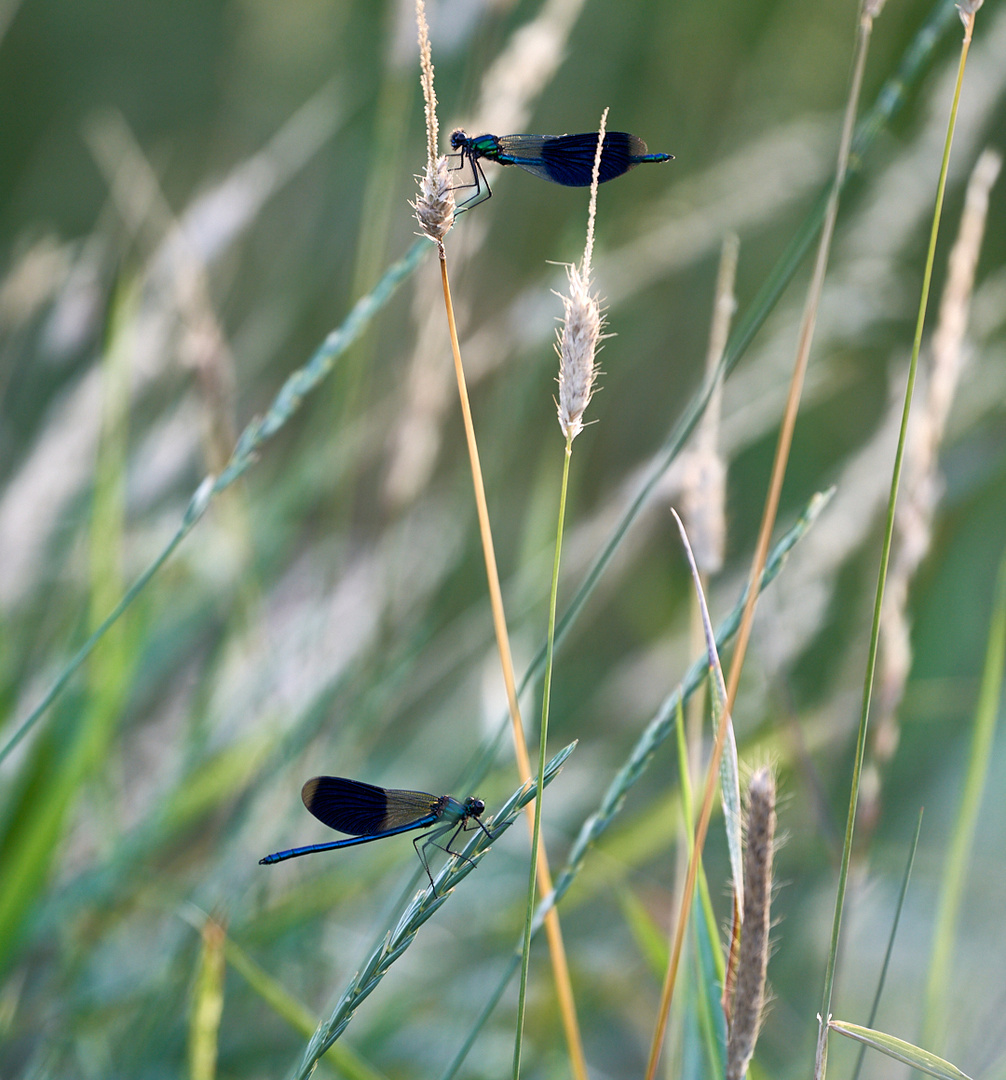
(577, 347)
(581, 327)
(435, 204)
(749, 997)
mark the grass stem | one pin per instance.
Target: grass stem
(821, 1061)
(783, 445)
(553, 930)
(536, 834)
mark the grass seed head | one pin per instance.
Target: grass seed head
(577, 347)
(435, 205)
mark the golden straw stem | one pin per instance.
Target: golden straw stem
(553, 931)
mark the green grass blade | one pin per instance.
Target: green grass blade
(419, 910)
(955, 876)
(649, 938)
(702, 882)
(730, 790)
(60, 766)
(708, 960)
(890, 941)
(207, 1004)
(900, 1050)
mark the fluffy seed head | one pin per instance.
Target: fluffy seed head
(752, 961)
(435, 204)
(577, 348)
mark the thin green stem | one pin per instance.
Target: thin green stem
(646, 747)
(892, 95)
(890, 942)
(542, 739)
(829, 979)
(769, 514)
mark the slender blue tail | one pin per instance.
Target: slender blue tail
(292, 853)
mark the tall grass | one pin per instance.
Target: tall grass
(308, 596)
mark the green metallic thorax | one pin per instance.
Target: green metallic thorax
(486, 146)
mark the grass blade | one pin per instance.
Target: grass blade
(955, 876)
(900, 1050)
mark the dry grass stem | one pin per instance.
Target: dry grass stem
(805, 339)
(749, 998)
(553, 930)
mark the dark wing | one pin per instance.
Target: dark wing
(569, 159)
(359, 809)
(523, 150)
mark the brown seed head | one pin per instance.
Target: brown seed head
(752, 961)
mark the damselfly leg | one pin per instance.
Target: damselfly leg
(479, 182)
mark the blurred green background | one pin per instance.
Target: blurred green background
(191, 197)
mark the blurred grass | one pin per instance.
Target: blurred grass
(173, 763)
(962, 844)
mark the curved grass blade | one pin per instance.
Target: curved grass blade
(420, 908)
(900, 1050)
(730, 788)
